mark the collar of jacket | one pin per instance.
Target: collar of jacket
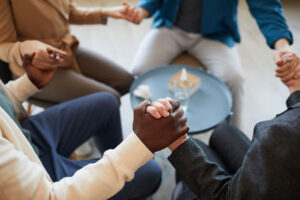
(294, 100)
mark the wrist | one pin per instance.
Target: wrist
(34, 82)
(144, 11)
(292, 90)
(178, 143)
(282, 44)
(106, 12)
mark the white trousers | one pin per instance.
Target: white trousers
(162, 45)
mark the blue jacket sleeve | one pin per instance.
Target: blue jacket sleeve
(151, 5)
(270, 19)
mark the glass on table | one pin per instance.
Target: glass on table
(182, 93)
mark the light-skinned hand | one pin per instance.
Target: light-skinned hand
(139, 15)
(48, 59)
(124, 11)
(289, 73)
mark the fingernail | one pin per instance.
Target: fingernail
(157, 115)
(166, 114)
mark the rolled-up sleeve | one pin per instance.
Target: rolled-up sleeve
(270, 18)
(80, 15)
(150, 5)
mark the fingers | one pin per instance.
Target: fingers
(287, 57)
(161, 109)
(184, 130)
(182, 120)
(283, 56)
(138, 17)
(175, 105)
(169, 99)
(166, 103)
(297, 74)
(56, 55)
(153, 112)
(287, 67)
(136, 14)
(288, 76)
(58, 51)
(178, 113)
(44, 61)
(141, 109)
(26, 60)
(277, 59)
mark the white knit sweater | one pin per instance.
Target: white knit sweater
(23, 177)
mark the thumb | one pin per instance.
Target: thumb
(277, 58)
(27, 59)
(175, 105)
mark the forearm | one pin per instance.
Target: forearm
(86, 15)
(270, 18)
(24, 179)
(22, 88)
(204, 178)
(282, 44)
(150, 5)
(106, 177)
(10, 52)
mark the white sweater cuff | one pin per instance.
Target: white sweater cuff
(132, 153)
(22, 88)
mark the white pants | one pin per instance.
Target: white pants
(162, 45)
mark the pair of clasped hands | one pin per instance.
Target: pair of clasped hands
(288, 69)
(158, 125)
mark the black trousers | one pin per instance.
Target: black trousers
(227, 148)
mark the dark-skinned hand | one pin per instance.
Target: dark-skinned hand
(158, 134)
(39, 77)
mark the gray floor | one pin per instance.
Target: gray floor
(264, 95)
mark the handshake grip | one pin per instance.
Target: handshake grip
(157, 134)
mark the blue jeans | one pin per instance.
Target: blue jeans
(59, 130)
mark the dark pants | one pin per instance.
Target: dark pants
(227, 148)
(99, 74)
(59, 130)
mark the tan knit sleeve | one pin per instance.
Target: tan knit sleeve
(9, 47)
(80, 15)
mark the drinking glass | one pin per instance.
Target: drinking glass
(182, 92)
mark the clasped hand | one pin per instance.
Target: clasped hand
(160, 124)
(288, 69)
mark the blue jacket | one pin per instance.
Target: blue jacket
(219, 18)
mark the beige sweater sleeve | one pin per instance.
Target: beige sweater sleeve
(26, 180)
(22, 88)
(85, 15)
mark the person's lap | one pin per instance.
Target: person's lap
(59, 130)
(164, 44)
(101, 69)
(99, 75)
(62, 128)
(159, 48)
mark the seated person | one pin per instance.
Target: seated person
(37, 167)
(36, 26)
(208, 30)
(234, 168)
